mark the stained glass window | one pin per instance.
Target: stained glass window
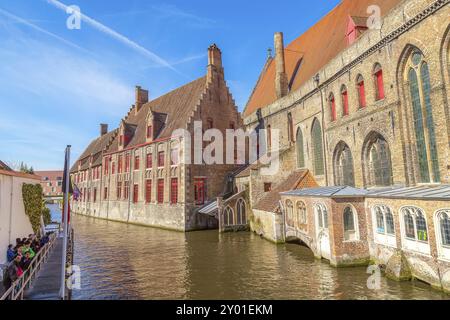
(445, 228)
(409, 226)
(317, 148)
(420, 92)
(344, 167)
(379, 162)
(415, 224)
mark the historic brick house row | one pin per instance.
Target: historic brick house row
(363, 117)
(134, 173)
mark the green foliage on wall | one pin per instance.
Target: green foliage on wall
(46, 215)
(33, 202)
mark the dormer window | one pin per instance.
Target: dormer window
(355, 27)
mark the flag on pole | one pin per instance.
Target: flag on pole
(64, 184)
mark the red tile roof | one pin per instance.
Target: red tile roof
(316, 47)
(299, 179)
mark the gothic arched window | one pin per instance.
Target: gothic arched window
(377, 160)
(361, 91)
(228, 219)
(415, 224)
(241, 214)
(350, 230)
(290, 213)
(301, 213)
(343, 166)
(379, 82)
(316, 133)
(418, 78)
(300, 149)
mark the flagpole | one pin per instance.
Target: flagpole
(66, 224)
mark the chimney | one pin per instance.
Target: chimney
(141, 98)
(214, 62)
(281, 81)
(103, 129)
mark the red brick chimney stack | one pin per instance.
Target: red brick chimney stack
(214, 62)
(141, 98)
(281, 81)
(103, 129)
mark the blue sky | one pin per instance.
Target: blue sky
(57, 85)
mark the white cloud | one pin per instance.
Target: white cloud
(116, 35)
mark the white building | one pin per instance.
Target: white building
(14, 223)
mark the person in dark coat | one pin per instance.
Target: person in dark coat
(10, 254)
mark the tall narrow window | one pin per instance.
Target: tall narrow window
(113, 168)
(420, 91)
(301, 214)
(149, 161)
(379, 82)
(377, 161)
(350, 232)
(228, 216)
(148, 191)
(241, 213)
(361, 91)
(160, 191)
(300, 149)
(174, 191)
(95, 194)
(136, 193)
(127, 162)
(120, 164)
(161, 159)
(269, 136)
(316, 133)
(344, 95)
(332, 102)
(137, 163)
(200, 191)
(126, 190)
(105, 195)
(343, 166)
(290, 213)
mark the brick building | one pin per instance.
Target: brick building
(51, 182)
(363, 107)
(137, 173)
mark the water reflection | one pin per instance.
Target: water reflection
(120, 261)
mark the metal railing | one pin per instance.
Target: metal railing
(17, 289)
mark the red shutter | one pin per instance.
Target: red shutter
(200, 191)
(127, 162)
(161, 159)
(345, 102)
(136, 193)
(174, 191)
(160, 190)
(148, 191)
(333, 109)
(119, 164)
(136, 163)
(380, 84)
(149, 161)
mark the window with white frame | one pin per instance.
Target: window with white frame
(415, 231)
(322, 216)
(442, 224)
(228, 216)
(350, 225)
(241, 214)
(383, 226)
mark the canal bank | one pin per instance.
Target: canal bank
(120, 261)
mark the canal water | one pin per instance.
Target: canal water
(120, 261)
